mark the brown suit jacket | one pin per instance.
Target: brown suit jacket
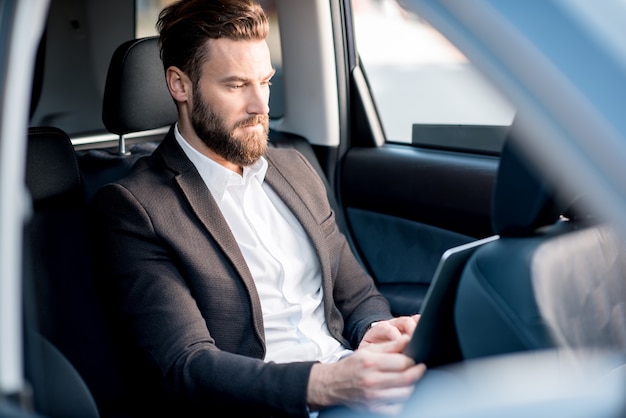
(184, 290)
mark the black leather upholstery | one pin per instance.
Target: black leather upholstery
(58, 285)
(136, 97)
(522, 200)
(65, 307)
(59, 391)
(496, 311)
(52, 172)
(548, 281)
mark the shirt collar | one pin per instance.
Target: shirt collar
(217, 177)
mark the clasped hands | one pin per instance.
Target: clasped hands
(377, 377)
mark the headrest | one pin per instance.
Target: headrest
(51, 166)
(136, 97)
(522, 200)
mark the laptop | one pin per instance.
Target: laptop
(434, 341)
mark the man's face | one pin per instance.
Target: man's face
(230, 101)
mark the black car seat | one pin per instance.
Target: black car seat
(62, 307)
(555, 277)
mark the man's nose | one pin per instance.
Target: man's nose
(258, 103)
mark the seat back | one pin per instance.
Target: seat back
(65, 307)
(554, 278)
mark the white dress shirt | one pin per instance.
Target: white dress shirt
(280, 257)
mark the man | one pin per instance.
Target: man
(231, 274)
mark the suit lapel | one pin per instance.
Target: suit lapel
(210, 217)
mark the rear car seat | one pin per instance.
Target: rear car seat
(64, 305)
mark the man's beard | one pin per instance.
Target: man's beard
(244, 149)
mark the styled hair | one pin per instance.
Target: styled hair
(186, 25)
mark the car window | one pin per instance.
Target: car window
(423, 92)
(147, 12)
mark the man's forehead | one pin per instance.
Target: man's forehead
(228, 49)
(246, 59)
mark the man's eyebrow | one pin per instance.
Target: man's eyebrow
(240, 79)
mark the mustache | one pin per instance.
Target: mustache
(253, 120)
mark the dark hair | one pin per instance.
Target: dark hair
(186, 25)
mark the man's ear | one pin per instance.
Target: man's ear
(178, 84)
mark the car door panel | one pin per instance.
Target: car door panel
(405, 206)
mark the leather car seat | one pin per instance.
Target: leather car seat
(554, 278)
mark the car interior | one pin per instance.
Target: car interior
(401, 208)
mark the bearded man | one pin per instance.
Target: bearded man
(227, 270)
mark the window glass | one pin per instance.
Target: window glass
(147, 12)
(417, 77)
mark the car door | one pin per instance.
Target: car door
(424, 131)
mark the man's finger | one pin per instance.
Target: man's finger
(396, 345)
